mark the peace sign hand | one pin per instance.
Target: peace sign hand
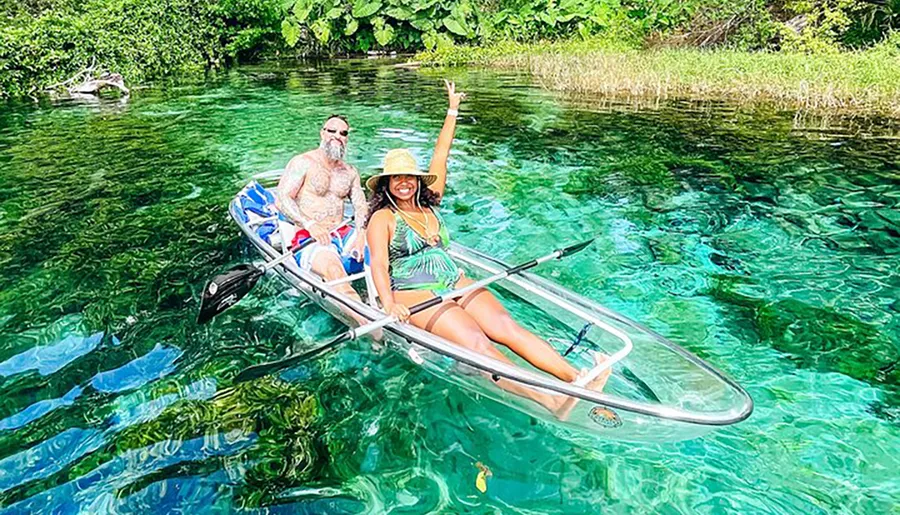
(454, 97)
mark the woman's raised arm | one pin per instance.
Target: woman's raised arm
(438, 164)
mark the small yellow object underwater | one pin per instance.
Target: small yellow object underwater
(481, 479)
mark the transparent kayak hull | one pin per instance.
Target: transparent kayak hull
(658, 392)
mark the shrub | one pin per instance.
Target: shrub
(46, 42)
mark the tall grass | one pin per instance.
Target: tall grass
(855, 80)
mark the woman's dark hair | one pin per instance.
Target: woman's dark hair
(381, 197)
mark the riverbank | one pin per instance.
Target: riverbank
(860, 81)
(48, 46)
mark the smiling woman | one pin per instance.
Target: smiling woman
(409, 244)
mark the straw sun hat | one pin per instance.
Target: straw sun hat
(400, 161)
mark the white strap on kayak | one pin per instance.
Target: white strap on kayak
(260, 221)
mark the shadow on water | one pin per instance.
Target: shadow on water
(758, 240)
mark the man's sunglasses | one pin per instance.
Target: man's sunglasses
(335, 131)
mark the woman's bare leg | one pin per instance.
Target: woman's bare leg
(497, 323)
(499, 326)
(328, 265)
(597, 385)
(457, 326)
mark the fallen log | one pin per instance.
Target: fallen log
(106, 80)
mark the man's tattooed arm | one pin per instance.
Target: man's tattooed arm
(288, 189)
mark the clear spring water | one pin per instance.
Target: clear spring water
(764, 242)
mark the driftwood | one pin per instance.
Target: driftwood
(78, 76)
(106, 80)
(91, 84)
(797, 23)
(705, 34)
(718, 33)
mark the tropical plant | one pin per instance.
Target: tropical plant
(873, 21)
(361, 25)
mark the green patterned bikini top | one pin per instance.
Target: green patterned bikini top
(416, 265)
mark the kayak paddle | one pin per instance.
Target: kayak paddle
(226, 290)
(263, 369)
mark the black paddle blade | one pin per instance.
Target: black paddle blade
(225, 290)
(572, 249)
(262, 369)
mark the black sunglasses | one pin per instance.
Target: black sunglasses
(335, 131)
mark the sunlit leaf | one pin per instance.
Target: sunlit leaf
(322, 30)
(364, 8)
(429, 39)
(455, 27)
(384, 35)
(421, 5)
(351, 27)
(399, 13)
(291, 32)
(444, 41)
(302, 9)
(422, 24)
(548, 17)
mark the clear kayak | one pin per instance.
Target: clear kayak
(657, 392)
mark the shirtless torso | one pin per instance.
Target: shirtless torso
(312, 194)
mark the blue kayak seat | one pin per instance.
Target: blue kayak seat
(257, 203)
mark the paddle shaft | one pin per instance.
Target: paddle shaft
(262, 369)
(300, 246)
(287, 255)
(430, 303)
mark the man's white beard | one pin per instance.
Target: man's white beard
(333, 150)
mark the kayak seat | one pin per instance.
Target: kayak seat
(257, 205)
(257, 208)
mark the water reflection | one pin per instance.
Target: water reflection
(138, 372)
(48, 457)
(39, 409)
(50, 358)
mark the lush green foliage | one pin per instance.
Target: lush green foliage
(365, 24)
(406, 24)
(809, 25)
(43, 42)
(47, 41)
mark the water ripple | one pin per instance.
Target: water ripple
(51, 358)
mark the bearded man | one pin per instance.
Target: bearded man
(311, 193)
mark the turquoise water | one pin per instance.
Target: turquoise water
(764, 242)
